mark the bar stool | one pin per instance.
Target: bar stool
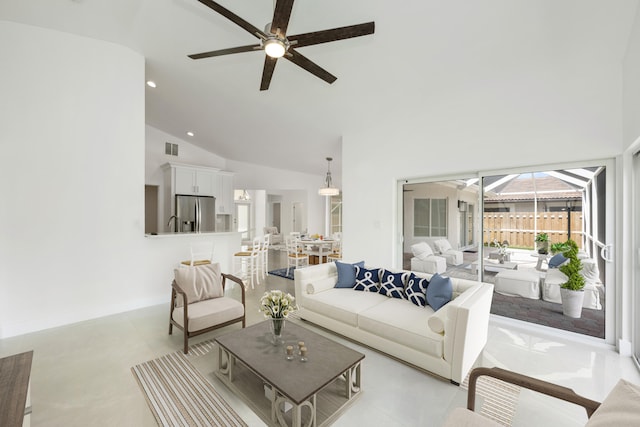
(201, 253)
(247, 263)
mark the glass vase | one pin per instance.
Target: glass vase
(277, 327)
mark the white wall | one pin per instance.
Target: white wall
(280, 182)
(492, 124)
(631, 86)
(72, 132)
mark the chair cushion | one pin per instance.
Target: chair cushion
(421, 250)
(208, 313)
(621, 407)
(343, 305)
(199, 282)
(557, 260)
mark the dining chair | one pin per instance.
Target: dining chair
(336, 251)
(264, 255)
(295, 257)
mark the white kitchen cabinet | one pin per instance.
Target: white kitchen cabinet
(224, 201)
(195, 181)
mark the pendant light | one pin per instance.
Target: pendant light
(329, 189)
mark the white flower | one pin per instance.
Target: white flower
(276, 304)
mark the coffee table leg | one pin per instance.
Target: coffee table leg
(353, 381)
(225, 368)
(277, 411)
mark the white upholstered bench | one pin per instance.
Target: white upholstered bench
(520, 283)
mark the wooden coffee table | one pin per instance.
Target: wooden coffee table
(279, 390)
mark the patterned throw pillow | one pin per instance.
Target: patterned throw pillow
(367, 280)
(392, 284)
(416, 290)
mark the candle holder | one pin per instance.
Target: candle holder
(289, 351)
(303, 354)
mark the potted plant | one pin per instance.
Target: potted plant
(572, 291)
(542, 243)
(558, 248)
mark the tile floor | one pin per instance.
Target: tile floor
(81, 372)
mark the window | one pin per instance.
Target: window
(430, 217)
(336, 214)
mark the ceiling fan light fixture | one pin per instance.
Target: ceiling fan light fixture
(329, 189)
(274, 47)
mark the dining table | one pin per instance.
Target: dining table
(317, 247)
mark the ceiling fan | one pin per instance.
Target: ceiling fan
(276, 44)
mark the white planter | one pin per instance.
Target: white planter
(571, 302)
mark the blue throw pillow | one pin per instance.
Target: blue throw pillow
(392, 284)
(417, 290)
(439, 291)
(557, 260)
(347, 274)
(367, 280)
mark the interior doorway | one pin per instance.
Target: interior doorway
(297, 217)
(276, 215)
(243, 219)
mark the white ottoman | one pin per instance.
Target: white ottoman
(432, 264)
(523, 283)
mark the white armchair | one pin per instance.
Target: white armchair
(453, 257)
(276, 237)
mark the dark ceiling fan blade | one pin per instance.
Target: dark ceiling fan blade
(310, 66)
(281, 15)
(233, 18)
(317, 37)
(267, 71)
(239, 49)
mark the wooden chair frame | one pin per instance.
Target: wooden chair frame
(540, 386)
(175, 290)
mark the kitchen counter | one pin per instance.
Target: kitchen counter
(192, 234)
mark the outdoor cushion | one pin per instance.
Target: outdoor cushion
(421, 250)
(557, 260)
(442, 245)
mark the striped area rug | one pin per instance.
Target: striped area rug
(178, 395)
(499, 399)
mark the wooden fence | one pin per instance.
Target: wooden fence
(518, 228)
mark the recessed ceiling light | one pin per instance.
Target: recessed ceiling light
(151, 83)
(190, 133)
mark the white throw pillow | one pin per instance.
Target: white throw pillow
(199, 282)
(421, 250)
(442, 245)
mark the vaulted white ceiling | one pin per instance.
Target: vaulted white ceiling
(424, 54)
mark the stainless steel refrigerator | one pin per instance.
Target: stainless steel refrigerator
(195, 213)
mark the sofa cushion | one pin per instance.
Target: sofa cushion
(404, 323)
(392, 284)
(416, 290)
(421, 250)
(367, 280)
(439, 291)
(342, 304)
(347, 274)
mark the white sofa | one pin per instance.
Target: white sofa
(446, 342)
